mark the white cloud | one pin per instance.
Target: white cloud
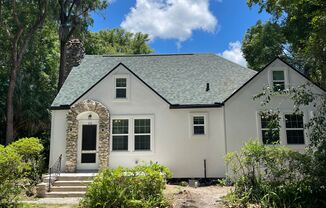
(234, 53)
(170, 19)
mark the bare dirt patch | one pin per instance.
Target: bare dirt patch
(201, 197)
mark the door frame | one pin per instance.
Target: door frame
(87, 166)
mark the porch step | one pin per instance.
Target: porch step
(74, 178)
(64, 194)
(71, 183)
(68, 188)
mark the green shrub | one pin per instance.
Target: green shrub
(11, 171)
(141, 186)
(273, 176)
(30, 150)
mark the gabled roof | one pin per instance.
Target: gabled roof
(180, 79)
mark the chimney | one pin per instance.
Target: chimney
(75, 52)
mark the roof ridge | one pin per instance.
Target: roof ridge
(166, 54)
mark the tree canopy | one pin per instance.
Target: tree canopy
(297, 31)
(116, 41)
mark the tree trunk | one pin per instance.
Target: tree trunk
(62, 63)
(10, 102)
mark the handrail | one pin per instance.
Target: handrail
(55, 170)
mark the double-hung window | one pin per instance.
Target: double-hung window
(199, 124)
(269, 129)
(294, 128)
(142, 128)
(121, 88)
(132, 133)
(278, 81)
(120, 134)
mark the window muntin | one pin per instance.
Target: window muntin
(278, 80)
(142, 133)
(120, 134)
(198, 123)
(270, 131)
(294, 128)
(121, 88)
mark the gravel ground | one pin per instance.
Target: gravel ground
(201, 197)
(56, 201)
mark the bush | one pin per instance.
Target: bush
(11, 171)
(141, 186)
(30, 150)
(272, 176)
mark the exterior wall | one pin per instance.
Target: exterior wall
(173, 145)
(241, 111)
(58, 136)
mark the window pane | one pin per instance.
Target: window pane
(120, 126)
(121, 93)
(271, 136)
(199, 120)
(121, 82)
(119, 142)
(199, 130)
(142, 126)
(295, 136)
(278, 86)
(88, 157)
(142, 142)
(294, 121)
(270, 122)
(278, 75)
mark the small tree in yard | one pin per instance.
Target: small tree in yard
(275, 176)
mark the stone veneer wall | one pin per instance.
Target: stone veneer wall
(72, 133)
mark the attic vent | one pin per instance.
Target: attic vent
(207, 87)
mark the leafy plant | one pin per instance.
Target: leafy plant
(141, 186)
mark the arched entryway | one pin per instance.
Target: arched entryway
(98, 116)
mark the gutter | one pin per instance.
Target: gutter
(185, 106)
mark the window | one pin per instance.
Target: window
(142, 134)
(120, 134)
(132, 133)
(198, 122)
(121, 88)
(269, 129)
(278, 81)
(294, 128)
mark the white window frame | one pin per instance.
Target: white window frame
(286, 80)
(289, 129)
(260, 129)
(121, 76)
(192, 125)
(111, 130)
(131, 134)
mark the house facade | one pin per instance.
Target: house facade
(185, 111)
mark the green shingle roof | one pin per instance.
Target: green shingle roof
(179, 78)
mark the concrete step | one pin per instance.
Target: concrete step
(74, 178)
(68, 188)
(64, 194)
(72, 183)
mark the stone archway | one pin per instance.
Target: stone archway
(72, 133)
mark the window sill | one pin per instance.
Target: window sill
(122, 100)
(198, 136)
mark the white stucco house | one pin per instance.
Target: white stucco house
(185, 111)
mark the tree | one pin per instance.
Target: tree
(20, 20)
(303, 25)
(74, 15)
(262, 43)
(116, 41)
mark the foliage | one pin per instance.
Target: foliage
(11, 171)
(140, 186)
(299, 27)
(273, 176)
(262, 43)
(116, 41)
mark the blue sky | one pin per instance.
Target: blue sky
(184, 26)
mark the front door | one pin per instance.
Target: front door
(87, 148)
